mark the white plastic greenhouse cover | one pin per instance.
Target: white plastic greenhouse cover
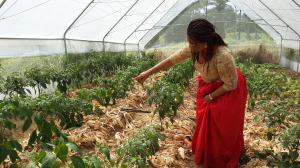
(44, 27)
(279, 18)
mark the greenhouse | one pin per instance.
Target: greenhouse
(68, 97)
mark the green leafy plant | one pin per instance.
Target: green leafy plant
(167, 97)
(115, 87)
(48, 159)
(15, 84)
(55, 106)
(8, 146)
(261, 82)
(280, 116)
(1, 77)
(136, 152)
(167, 93)
(180, 74)
(38, 78)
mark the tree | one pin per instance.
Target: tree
(212, 10)
(219, 13)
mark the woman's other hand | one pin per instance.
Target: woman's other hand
(207, 99)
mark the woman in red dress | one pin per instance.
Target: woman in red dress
(221, 96)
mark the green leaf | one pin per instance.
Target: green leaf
(40, 156)
(62, 118)
(97, 164)
(3, 154)
(39, 119)
(112, 162)
(294, 154)
(99, 111)
(61, 151)
(46, 132)
(150, 163)
(48, 161)
(8, 145)
(269, 135)
(156, 145)
(167, 124)
(27, 124)
(51, 112)
(16, 145)
(9, 125)
(56, 165)
(293, 138)
(13, 155)
(77, 162)
(31, 165)
(106, 152)
(32, 138)
(28, 112)
(132, 151)
(13, 166)
(150, 102)
(74, 147)
(124, 165)
(46, 146)
(141, 164)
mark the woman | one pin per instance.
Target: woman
(221, 96)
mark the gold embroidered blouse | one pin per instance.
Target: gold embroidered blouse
(220, 68)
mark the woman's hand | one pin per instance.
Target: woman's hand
(142, 77)
(207, 99)
(166, 63)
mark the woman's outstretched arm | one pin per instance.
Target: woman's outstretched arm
(166, 63)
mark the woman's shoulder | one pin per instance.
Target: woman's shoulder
(223, 54)
(186, 49)
(223, 50)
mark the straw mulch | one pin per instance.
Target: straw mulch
(116, 127)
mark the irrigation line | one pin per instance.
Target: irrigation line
(143, 111)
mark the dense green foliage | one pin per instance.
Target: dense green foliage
(72, 75)
(46, 109)
(167, 93)
(279, 97)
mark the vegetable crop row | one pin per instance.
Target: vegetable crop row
(72, 75)
(279, 97)
(46, 111)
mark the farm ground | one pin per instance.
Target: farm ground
(116, 127)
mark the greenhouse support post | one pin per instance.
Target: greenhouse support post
(296, 3)
(206, 9)
(2, 3)
(117, 24)
(279, 18)
(142, 23)
(281, 38)
(66, 51)
(298, 60)
(153, 27)
(282, 21)
(240, 20)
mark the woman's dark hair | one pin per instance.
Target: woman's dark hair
(203, 31)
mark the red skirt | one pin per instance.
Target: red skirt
(218, 138)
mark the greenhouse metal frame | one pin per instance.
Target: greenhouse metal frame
(46, 27)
